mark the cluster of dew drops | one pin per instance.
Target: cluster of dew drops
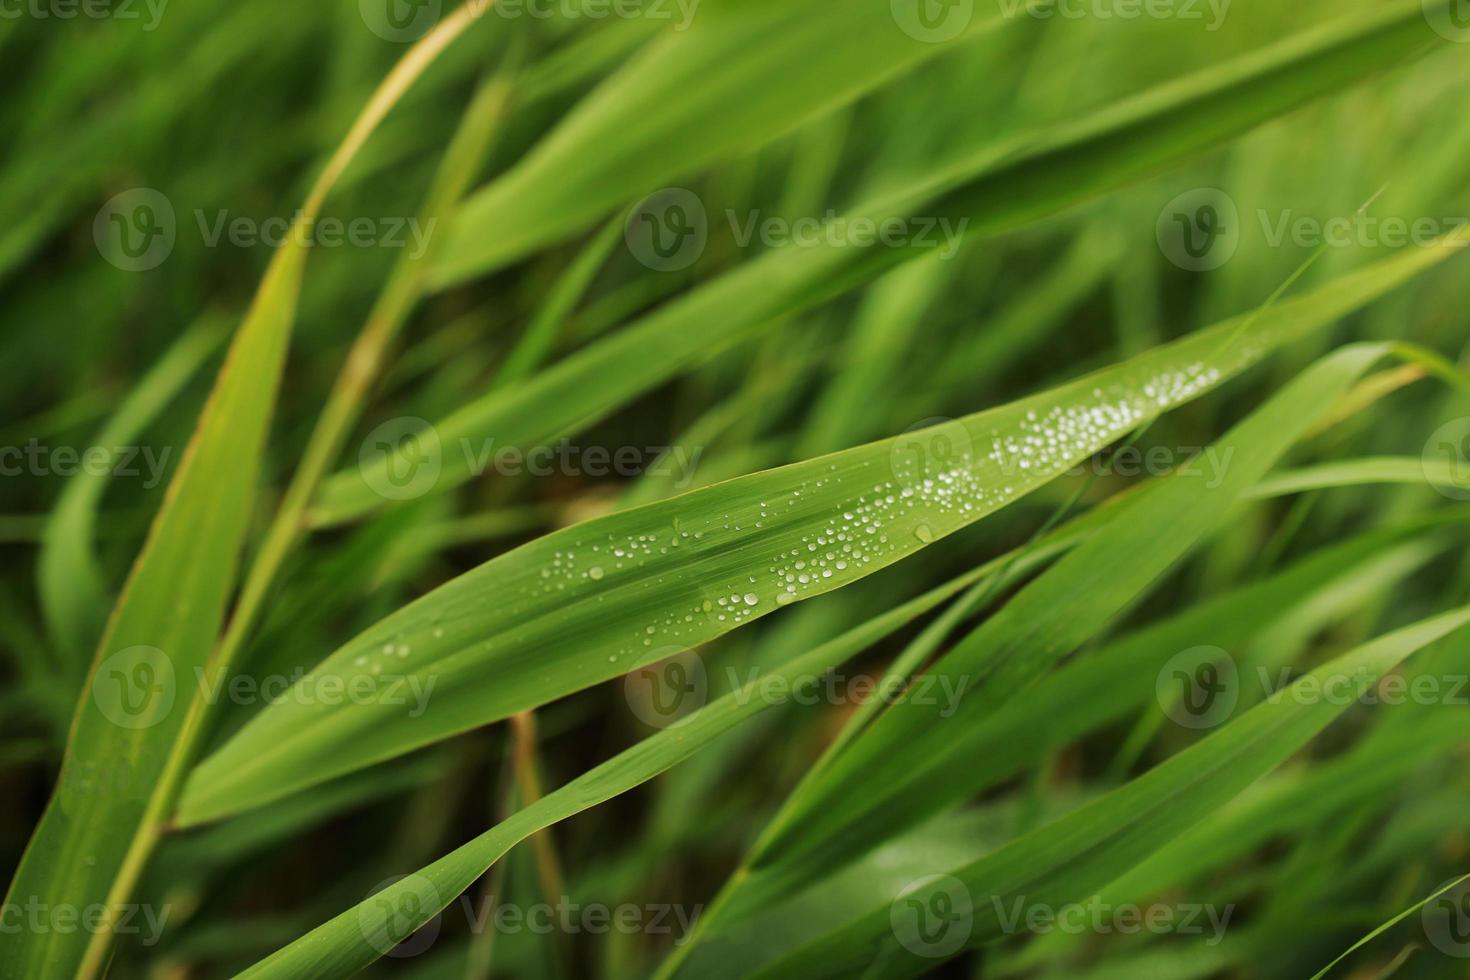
(1048, 443)
(1039, 444)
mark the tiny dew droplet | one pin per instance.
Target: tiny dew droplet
(923, 533)
(785, 598)
(751, 598)
(595, 572)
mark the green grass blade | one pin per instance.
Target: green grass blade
(910, 763)
(1066, 860)
(74, 598)
(136, 719)
(1003, 187)
(741, 75)
(603, 598)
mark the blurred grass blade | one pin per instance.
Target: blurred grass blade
(911, 762)
(364, 933)
(741, 75)
(598, 600)
(1003, 187)
(74, 597)
(1405, 470)
(1447, 887)
(536, 343)
(136, 719)
(1065, 861)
